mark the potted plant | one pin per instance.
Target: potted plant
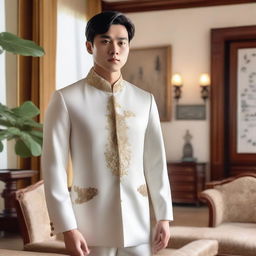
(18, 123)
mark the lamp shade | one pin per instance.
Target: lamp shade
(204, 79)
(177, 79)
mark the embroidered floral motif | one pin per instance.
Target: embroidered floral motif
(118, 152)
(100, 83)
(143, 190)
(84, 194)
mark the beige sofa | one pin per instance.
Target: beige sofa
(196, 248)
(232, 217)
(36, 229)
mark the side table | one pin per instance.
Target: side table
(8, 218)
(187, 179)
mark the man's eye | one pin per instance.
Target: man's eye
(105, 41)
(122, 43)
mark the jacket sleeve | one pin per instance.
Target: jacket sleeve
(156, 167)
(54, 163)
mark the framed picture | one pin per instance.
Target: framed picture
(243, 91)
(233, 103)
(150, 69)
(190, 112)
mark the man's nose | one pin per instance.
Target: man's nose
(114, 50)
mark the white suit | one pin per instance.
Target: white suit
(118, 158)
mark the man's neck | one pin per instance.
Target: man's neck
(111, 77)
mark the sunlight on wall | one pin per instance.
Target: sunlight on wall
(73, 61)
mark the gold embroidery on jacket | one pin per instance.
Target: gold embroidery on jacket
(143, 190)
(84, 194)
(118, 152)
(100, 83)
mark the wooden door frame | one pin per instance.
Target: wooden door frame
(220, 39)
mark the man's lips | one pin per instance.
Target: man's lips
(113, 60)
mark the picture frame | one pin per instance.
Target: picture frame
(149, 68)
(242, 89)
(190, 112)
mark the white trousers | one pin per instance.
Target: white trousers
(140, 250)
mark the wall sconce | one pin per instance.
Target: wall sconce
(205, 82)
(177, 84)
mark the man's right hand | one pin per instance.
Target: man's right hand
(75, 243)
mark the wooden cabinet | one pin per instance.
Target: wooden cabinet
(187, 179)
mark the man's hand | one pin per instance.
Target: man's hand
(161, 235)
(75, 243)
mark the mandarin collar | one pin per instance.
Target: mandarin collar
(100, 83)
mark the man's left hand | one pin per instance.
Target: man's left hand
(161, 235)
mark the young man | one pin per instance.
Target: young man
(113, 132)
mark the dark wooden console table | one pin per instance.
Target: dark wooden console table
(187, 179)
(8, 218)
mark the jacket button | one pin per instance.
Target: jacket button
(51, 234)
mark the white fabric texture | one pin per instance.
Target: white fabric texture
(118, 156)
(144, 249)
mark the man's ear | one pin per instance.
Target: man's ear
(89, 47)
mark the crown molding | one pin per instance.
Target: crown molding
(151, 5)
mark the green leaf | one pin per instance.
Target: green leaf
(38, 140)
(21, 149)
(34, 147)
(1, 51)
(1, 146)
(36, 133)
(17, 45)
(3, 134)
(14, 131)
(32, 123)
(28, 110)
(5, 123)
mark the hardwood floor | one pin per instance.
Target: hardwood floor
(190, 216)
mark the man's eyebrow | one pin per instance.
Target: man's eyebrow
(105, 36)
(108, 37)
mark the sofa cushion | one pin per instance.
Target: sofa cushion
(195, 248)
(52, 245)
(233, 238)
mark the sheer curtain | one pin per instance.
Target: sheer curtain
(72, 60)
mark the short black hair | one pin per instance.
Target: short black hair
(100, 23)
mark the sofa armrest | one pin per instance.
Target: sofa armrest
(198, 248)
(215, 203)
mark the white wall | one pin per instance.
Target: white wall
(188, 32)
(8, 79)
(73, 61)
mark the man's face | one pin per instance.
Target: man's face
(110, 50)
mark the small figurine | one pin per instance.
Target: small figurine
(188, 149)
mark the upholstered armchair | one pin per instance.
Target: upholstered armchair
(232, 217)
(37, 236)
(232, 200)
